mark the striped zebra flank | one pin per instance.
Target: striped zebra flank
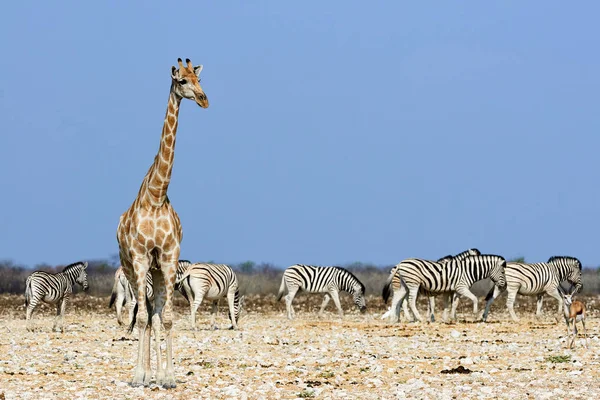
(393, 285)
(536, 279)
(456, 276)
(317, 279)
(212, 282)
(54, 289)
(122, 294)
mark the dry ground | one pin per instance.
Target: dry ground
(271, 357)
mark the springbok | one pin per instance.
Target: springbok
(574, 310)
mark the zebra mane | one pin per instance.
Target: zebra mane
(183, 262)
(565, 258)
(73, 266)
(362, 286)
(483, 255)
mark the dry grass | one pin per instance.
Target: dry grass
(271, 357)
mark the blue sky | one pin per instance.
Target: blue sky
(337, 131)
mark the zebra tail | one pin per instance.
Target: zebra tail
(281, 289)
(27, 292)
(179, 286)
(113, 295)
(135, 311)
(490, 294)
(385, 293)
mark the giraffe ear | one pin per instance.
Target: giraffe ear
(174, 73)
(197, 70)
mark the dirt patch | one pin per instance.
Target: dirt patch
(360, 356)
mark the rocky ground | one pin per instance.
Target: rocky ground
(359, 357)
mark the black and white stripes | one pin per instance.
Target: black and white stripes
(535, 280)
(315, 279)
(54, 289)
(213, 282)
(453, 276)
(122, 292)
(393, 284)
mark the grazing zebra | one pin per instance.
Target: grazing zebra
(213, 282)
(54, 289)
(393, 284)
(452, 276)
(122, 292)
(535, 280)
(313, 279)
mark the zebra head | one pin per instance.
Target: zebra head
(571, 268)
(497, 272)
(358, 295)
(82, 277)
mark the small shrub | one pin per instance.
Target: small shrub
(306, 394)
(559, 359)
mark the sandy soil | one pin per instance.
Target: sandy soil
(359, 357)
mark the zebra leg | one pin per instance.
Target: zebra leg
(55, 324)
(398, 300)
(59, 322)
(288, 301)
(121, 299)
(30, 307)
(325, 302)
(464, 291)
(431, 308)
(336, 299)
(413, 291)
(510, 304)
(213, 314)
(194, 304)
(540, 300)
(490, 299)
(554, 293)
(447, 305)
(454, 302)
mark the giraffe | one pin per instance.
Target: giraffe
(149, 237)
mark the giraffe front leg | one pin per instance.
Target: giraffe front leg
(168, 267)
(158, 281)
(142, 372)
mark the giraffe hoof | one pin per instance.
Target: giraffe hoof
(167, 381)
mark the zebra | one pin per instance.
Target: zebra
(122, 292)
(213, 282)
(315, 279)
(54, 289)
(537, 279)
(452, 276)
(393, 284)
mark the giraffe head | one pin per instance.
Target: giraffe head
(186, 82)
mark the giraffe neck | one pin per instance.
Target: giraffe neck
(155, 185)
